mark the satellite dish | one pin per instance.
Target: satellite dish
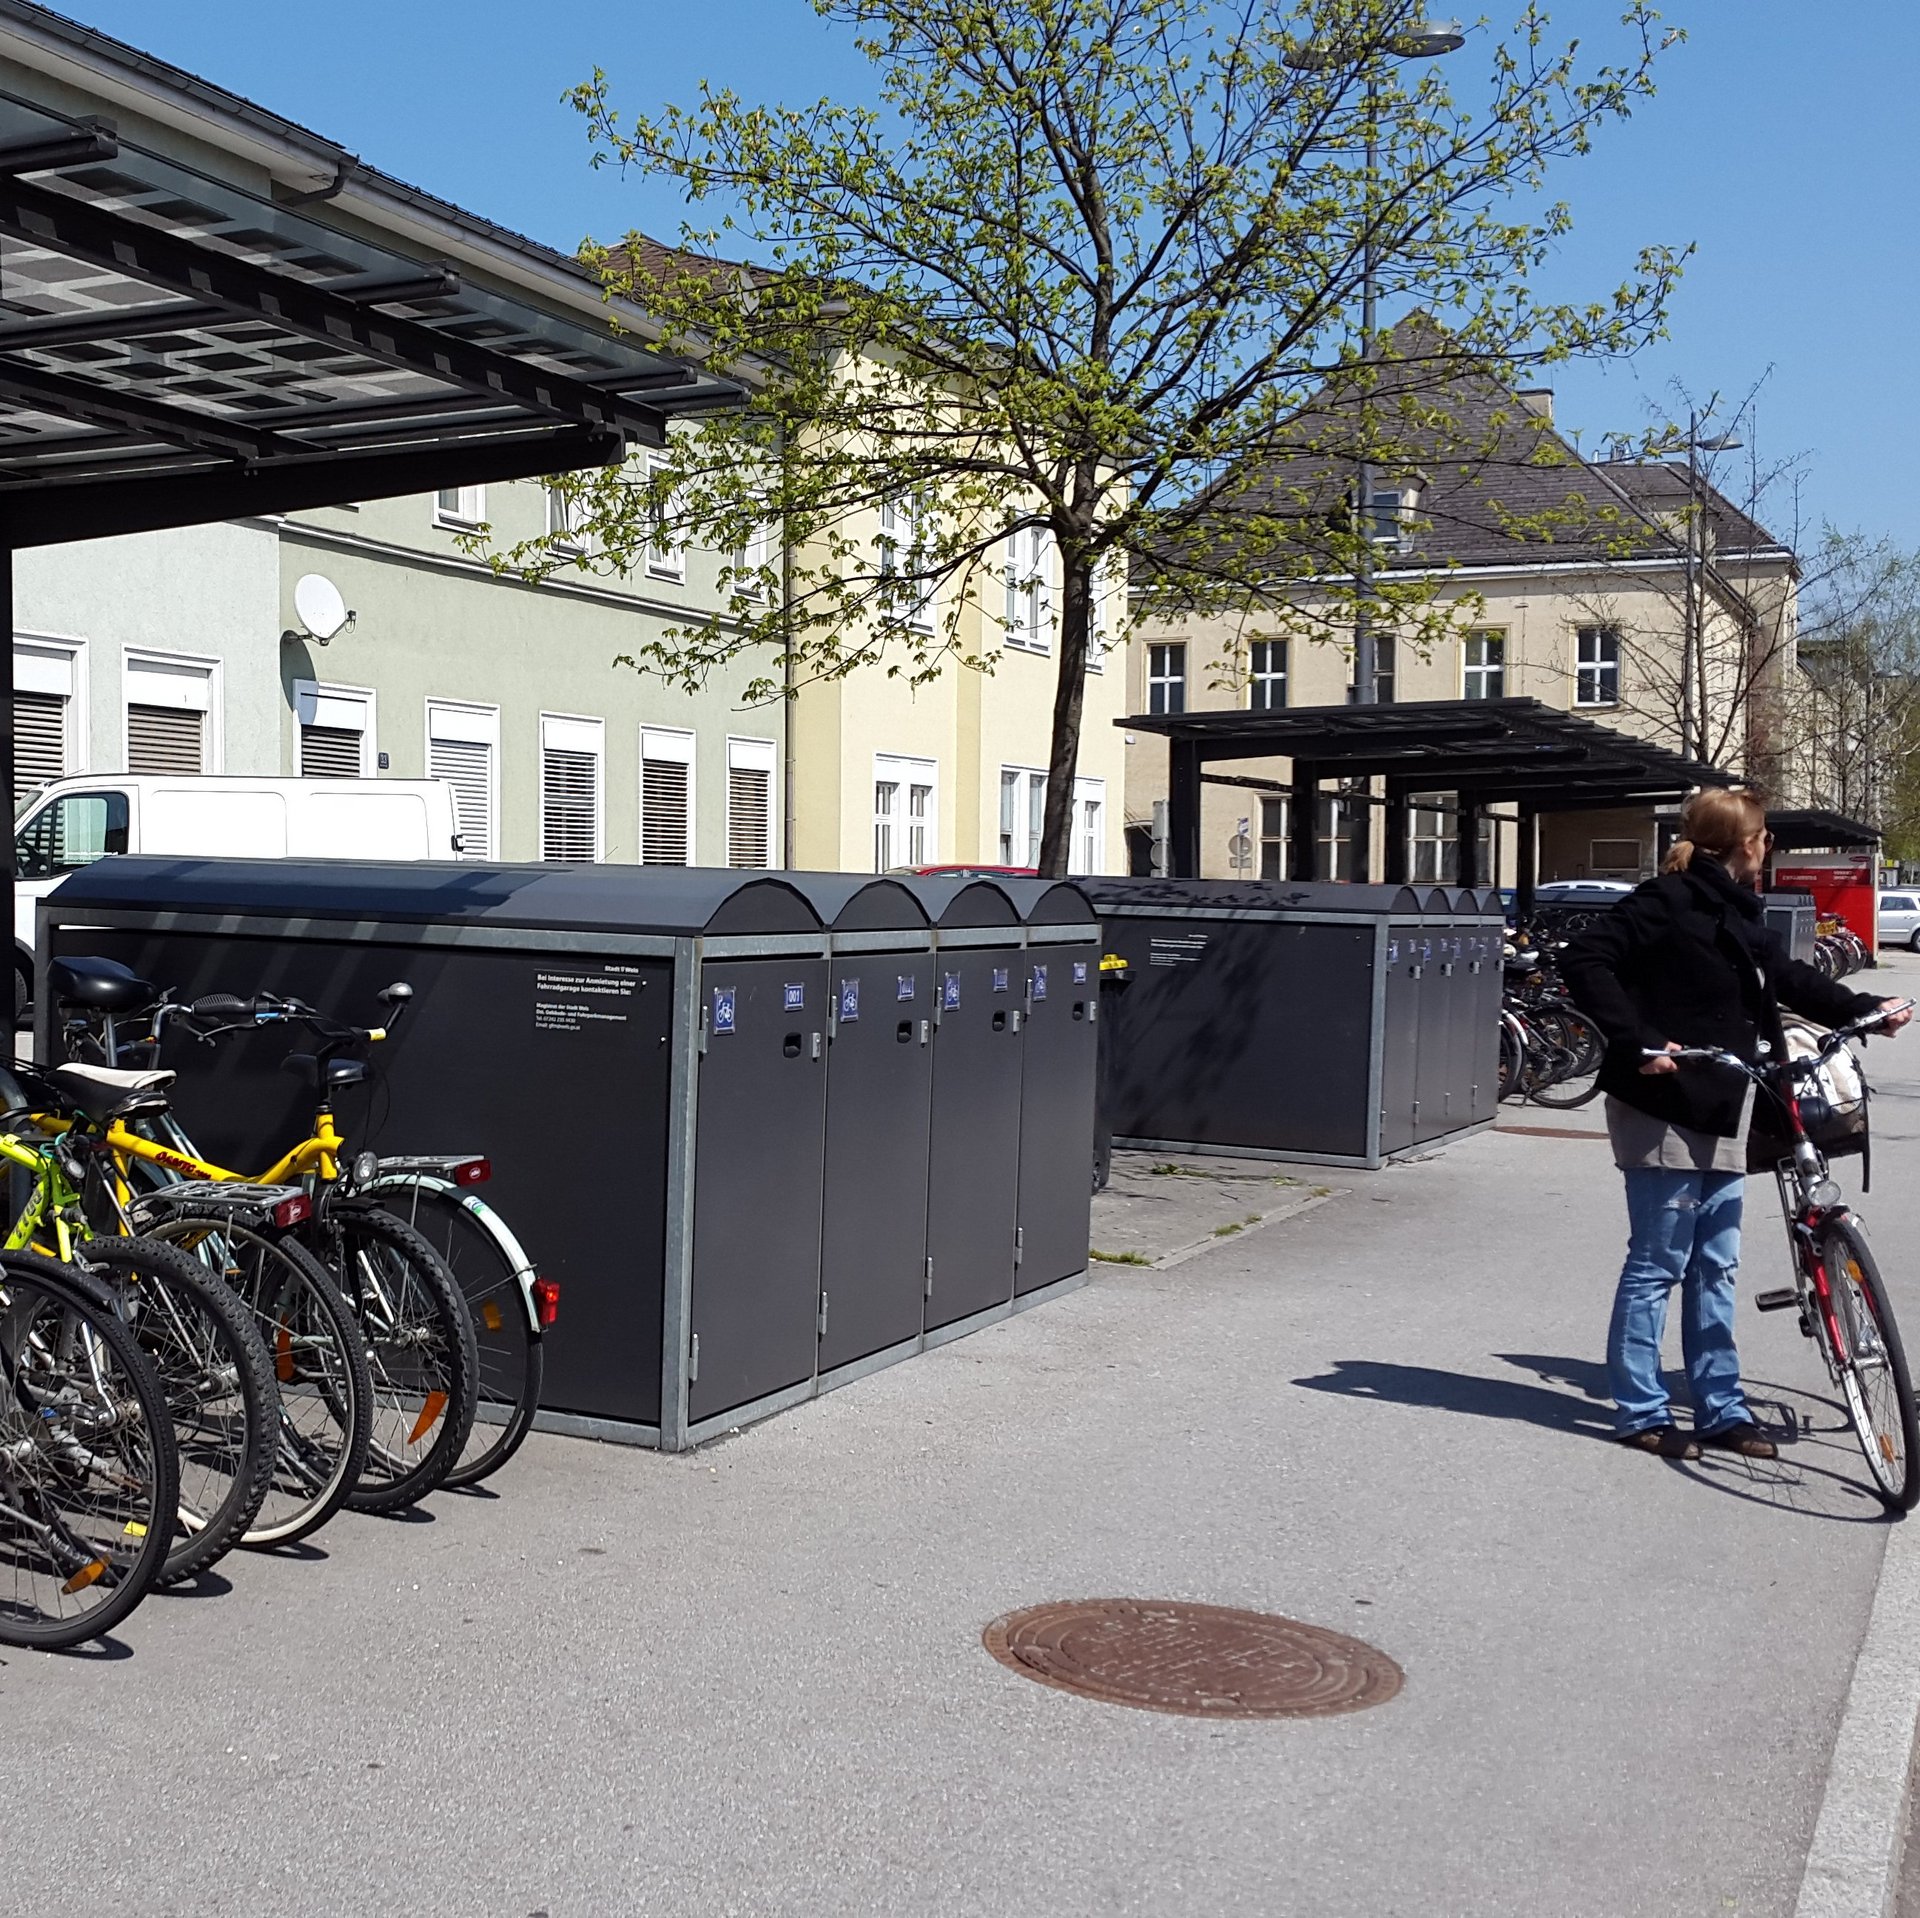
(322, 611)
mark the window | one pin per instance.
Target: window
(665, 559)
(751, 561)
(563, 521)
(336, 730)
(666, 797)
(1274, 843)
(73, 831)
(1596, 680)
(1088, 853)
(1023, 811)
(460, 506)
(1342, 822)
(1387, 509)
(1385, 662)
(1167, 677)
(1616, 859)
(906, 823)
(47, 720)
(463, 748)
(572, 759)
(903, 554)
(1433, 842)
(1030, 588)
(750, 803)
(1484, 675)
(1267, 675)
(170, 710)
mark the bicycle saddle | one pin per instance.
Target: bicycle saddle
(106, 1093)
(103, 985)
(339, 1072)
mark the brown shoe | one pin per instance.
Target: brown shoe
(1666, 1440)
(1746, 1438)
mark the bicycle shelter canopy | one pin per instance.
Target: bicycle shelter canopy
(1483, 751)
(209, 312)
(1809, 829)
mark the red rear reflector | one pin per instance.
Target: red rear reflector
(293, 1209)
(473, 1172)
(546, 1300)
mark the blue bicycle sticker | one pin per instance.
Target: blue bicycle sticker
(999, 978)
(1079, 972)
(949, 991)
(849, 1000)
(1039, 983)
(723, 1008)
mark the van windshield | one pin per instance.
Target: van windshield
(70, 832)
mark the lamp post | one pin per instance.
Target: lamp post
(1693, 663)
(1422, 40)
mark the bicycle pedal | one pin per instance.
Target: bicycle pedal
(1777, 1301)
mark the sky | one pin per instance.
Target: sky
(1780, 145)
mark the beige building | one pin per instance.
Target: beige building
(1592, 623)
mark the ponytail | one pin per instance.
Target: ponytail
(1715, 820)
(1679, 856)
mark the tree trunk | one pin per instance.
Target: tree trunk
(1069, 700)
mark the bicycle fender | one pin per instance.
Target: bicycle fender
(496, 1228)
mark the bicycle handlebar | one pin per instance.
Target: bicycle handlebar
(1834, 1040)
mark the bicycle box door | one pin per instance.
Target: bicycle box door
(1058, 1055)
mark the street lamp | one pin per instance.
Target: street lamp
(1422, 40)
(1693, 665)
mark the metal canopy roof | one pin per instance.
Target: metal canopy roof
(176, 348)
(1807, 829)
(1490, 749)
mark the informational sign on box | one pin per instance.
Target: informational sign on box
(1842, 885)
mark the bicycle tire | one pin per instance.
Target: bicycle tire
(1579, 1082)
(220, 1392)
(111, 1554)
(420, 1350)
(319, 1359)
(1873, 1370)
(509, 1348)
(1512, 1058)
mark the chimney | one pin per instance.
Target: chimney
(1538, 400)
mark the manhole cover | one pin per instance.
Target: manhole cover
(1207, 1661)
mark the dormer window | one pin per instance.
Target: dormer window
(1390, 515)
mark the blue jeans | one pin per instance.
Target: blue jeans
(1684, 1229)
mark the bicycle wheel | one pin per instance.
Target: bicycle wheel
(319, 1361)
(214, 1368)
(1873, 1369)
(1573, 1034)
(88, 1483)
(507, 1344)
(419, 1347)
(1512, 1060)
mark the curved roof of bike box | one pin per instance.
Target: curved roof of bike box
(1227, 898)
(962, 901)
(207, 311)
(856, 902)
(672, 900)
(1048, 902)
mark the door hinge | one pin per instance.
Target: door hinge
(929, 1278)
(702, 1047)
(693, 1359)
(1019, 1243)
(823, 1315)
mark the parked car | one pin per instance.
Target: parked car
(73, 822)
(1900, 919)
(1581, 892)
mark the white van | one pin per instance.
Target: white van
(73, 822)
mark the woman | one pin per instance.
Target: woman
(1689, 960)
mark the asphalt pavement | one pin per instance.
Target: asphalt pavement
(750, 1681)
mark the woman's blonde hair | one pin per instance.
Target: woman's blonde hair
(1715, 820)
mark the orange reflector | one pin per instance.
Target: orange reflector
(283, 1354)
(1886, 1445)
(435, 1405)
(490, 1315)
(88, 1574)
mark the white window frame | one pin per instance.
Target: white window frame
(907, 772)
(575, 732)
(1165, 681)
(1397, 531)
(670, 745)
(1019, 839)
(46, 657)
(1482, 671)
(1256, 679)
(344, 708)
(201, 665)
(663, 561)
(472, 725)
(1028, 619)
(750, 560)
(900, 547)
(468, 511)
(563, 536)
(1598, 668)
(747, 754)
(1087, 792)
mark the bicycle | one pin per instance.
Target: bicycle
(1837, 1288)
(88, 1477)
(414, 1322)
(200, 1337)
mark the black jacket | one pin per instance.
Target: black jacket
(1689, 957)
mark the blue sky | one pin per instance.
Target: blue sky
(1781, 146)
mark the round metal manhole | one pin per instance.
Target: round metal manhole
(1206, 1661)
